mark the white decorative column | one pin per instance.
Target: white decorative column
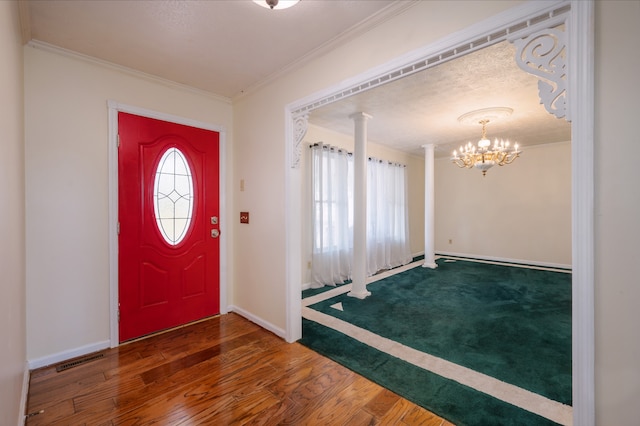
(359, 265)
(429, 209)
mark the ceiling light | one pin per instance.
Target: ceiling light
(482, 156)
(275, 4)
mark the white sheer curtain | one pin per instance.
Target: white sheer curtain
(332, 215)
(387, 216)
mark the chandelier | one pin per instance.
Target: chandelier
(275, 4)
(483, 156)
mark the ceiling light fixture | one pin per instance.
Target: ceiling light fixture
(275, 4)
(483, 156)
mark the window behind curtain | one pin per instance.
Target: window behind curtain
(387, 216)
(332, 216)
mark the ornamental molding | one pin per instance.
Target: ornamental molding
(300, 126)
(534, 29)
(543, 54)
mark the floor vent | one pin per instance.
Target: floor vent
(77, 362)
(28, 416)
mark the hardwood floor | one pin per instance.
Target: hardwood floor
(222, 371)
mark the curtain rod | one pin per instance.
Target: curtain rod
(335, 148)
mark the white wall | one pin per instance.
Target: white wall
(67, 189)
(617, 213)
(12, 256)
(519, 212)
(415, 187)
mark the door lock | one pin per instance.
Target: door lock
(215, 233)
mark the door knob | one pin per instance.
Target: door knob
(215, 233)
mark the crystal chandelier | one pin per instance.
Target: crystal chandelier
(483, 156)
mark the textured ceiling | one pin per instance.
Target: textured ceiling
(227, 47)
(223, 46)
(424, 108)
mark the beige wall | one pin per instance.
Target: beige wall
(67, 189)
(415, 187)
(12, 256)
(519, 212)
(617, 213)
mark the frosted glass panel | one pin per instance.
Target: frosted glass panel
(173, 196)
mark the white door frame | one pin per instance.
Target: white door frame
(114, 108)
(580, 88)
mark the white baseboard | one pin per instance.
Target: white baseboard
(24, 394)
(504, 259)
(420, 253)
(262, 323)
(98, 346)
(66, 355)
(307, 286)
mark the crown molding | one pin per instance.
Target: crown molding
(362, 27)
(507, 25)
(37, 44)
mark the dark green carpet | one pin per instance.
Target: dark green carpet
(459, 404)
(510, 323)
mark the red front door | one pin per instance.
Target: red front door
(168, 209)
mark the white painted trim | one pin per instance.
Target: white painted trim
(413, 61)
(66, 355)
(293, 235)
(120, 107)
(581, 108)
(115, 107)
(261, 322)
(113, 222)
(581, 87)
(37, 44)
(224, 224)
(523, 262)
(24, 394)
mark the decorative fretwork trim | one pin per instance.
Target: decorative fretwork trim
(300, 125)
(545, 20)
(543, 54)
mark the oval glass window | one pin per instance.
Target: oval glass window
(173, 196)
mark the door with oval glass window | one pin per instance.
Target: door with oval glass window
(168, 209)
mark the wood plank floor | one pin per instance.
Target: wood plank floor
(222, 371)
